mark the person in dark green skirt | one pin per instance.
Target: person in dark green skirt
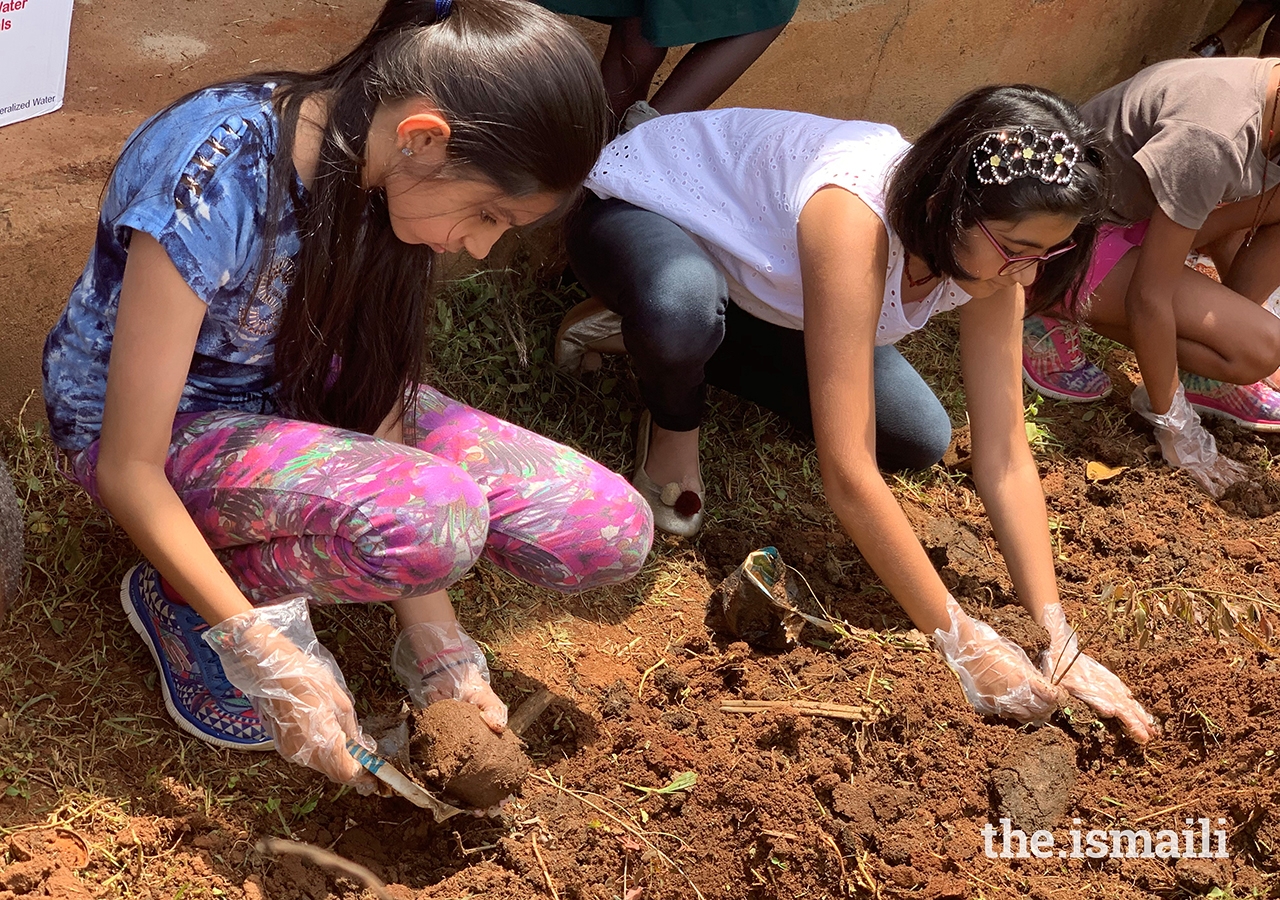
(728, 38)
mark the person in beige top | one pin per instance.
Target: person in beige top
(1192, 146)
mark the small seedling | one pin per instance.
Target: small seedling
(1080, 647)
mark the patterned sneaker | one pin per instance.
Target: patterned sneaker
(196, 691)
(1255, 407)
(1053, 365)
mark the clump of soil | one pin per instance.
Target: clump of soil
(451, 746)
(1014, 623)
(1033, 787)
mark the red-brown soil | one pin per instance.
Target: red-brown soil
(475, 767)
(785, 805)
(107, 799)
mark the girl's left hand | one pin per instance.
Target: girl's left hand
(1089, 680)
(440, 661)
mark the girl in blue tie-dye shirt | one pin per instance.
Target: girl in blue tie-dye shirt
(235, 376)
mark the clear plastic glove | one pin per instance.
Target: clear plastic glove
(1187, 445)
(271, 654)
(1089, 680)
(996, 674)
(439, 661)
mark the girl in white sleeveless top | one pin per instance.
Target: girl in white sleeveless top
(780, 255)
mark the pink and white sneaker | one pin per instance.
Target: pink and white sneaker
(1255, 407)
(1053, 364)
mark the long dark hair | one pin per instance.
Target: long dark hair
(527, 111)
(935, 196)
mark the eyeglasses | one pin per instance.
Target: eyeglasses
(1014, 264)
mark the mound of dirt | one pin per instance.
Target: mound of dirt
(452, 746)
(1033, 786)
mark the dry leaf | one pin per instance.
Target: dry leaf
(1096, 471)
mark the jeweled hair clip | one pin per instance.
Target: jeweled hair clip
(1025, 152)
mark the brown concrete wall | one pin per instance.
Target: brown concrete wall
(898, 61)
(903, 61)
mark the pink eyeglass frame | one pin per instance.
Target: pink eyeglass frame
(1027, 261)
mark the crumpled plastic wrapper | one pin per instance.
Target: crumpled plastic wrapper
(756, 603)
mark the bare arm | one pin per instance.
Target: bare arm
(1148, 306)
(156, 328)
(843, 292)
(1003, 467)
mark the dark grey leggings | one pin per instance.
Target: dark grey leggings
(683, 333)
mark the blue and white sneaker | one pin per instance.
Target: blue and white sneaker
(196, 690)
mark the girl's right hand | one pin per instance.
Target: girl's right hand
(995, 673)
(272, 655)
(1185, 444)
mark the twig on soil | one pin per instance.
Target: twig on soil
(866, 879)
(647, 672)
(328, 859)
(529, 711)
(1177, 806)
(845, 886)
(541, 862)
(682, 782)
(631, 829)
(805, 708)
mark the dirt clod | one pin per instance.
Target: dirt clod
(1033, 786)
(1199, 876)
(452, 746)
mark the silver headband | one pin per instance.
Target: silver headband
(1022, 152)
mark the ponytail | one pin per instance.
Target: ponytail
(527, 112)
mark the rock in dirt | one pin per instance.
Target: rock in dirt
(1033, 787)
(453, 747)
(1239, 549)
(1199, 876)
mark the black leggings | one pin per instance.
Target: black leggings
(683, 333)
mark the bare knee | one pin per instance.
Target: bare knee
(1257, 357)
(429, 532)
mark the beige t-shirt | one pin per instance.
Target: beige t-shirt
(1185, 134)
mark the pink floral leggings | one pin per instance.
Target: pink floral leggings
(294, 507)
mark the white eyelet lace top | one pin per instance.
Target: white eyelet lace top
(737, 179)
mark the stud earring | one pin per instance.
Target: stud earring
(406, 151)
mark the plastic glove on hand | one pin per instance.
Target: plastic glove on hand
(1215, 479)
(440, 661)
(271, 654)
(1185, 444)
(1089, 680)
(997, 677)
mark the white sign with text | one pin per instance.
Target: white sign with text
(34, 35)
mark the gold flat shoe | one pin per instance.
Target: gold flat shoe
(674, 511)
(587, 331)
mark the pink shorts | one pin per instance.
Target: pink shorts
(1114, 241)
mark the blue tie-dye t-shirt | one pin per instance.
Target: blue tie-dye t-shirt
(195, 178)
